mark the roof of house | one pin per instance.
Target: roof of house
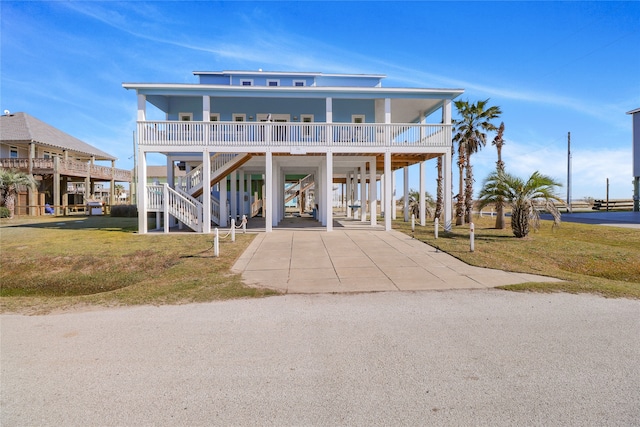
(21, 127)
(637, 110)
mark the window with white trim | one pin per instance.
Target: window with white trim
(273, 82)
(214, 117)
(185, 117)
(246, 82)
(14, 152)
(239, 117)
(299, 83)
(357, 118)
(306, 130)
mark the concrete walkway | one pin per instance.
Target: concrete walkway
(360, 260)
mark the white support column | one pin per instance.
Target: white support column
(448, 199)
(206, 191)
(387, 191)
(348, 195)
(423, 189)
(224, 214)
(394, 214)
(329, 191)
(142, 192)
(206, 108)
(267, 195)
(322, 180)
(383, 205)
(373, 191)
(447, 185)
(234, 196)
(405, 197)
(142, 107)
(363, 192)
(241, 184)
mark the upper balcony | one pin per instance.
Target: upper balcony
(67, 168)
(256, 135)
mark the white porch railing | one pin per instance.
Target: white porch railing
(193, 180)
(244, 134)
(298, 187)
(186, 209)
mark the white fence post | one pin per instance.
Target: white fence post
(233, 230)
(435, 229)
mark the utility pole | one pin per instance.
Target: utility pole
(569, 172)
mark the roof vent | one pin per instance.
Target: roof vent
(7, 112)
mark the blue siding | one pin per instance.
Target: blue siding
(355, 81)
(253, 106)
(208, 79)
(344, 108)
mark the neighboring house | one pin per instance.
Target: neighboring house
(62, 165)
(635, 115)
(250, 132)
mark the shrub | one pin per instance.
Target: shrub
(127, 211)
(4, 212)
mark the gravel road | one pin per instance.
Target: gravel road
(485, 357)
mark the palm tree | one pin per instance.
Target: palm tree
(10, 180)
(498, 141)
(439, 189)
(470, 134)
(524, 197)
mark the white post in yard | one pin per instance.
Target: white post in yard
(216, 243)
(471, 237)
(233, 230)
(435, 228)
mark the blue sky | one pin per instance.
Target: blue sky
(552, 67)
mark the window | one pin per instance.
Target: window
(14, 153)
(273, 82)
(357, 118)
(299, 83)
(185, 117)
(46, 155)
(214, 117)
(239, 117)
(246, 82)
(306, 130)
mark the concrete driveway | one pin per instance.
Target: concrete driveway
(360, 260)
(482, 357)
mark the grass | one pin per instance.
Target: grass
(50, 264)
(589, 258)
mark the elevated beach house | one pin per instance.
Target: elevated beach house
(67, 169)
(250, 141)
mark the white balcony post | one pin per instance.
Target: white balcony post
(206, 191)
(329, 191)
(267, 197)
(423, 189)
(143, 198)
(206, 118)
(387, 190)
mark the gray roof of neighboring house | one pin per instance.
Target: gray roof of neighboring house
(21, 127)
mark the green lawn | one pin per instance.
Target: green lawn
(56, 263)
(589, 258)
